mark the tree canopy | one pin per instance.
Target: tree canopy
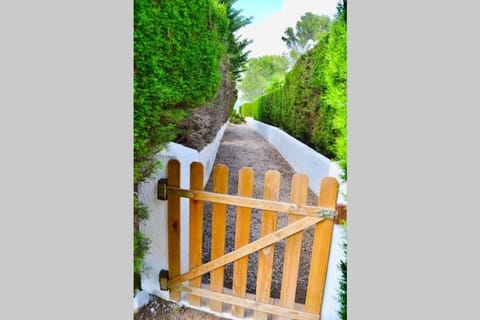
(311, 105)
(236, 47)
(262, 74)
(308, 30)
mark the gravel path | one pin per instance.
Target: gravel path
(242, 147)
(159, 309)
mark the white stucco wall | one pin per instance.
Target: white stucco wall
(155, 228)
(301, 157)
(331, 305)
(304, 159)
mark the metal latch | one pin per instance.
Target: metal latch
(329, 214)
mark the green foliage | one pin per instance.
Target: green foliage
(343, 288)
(237, 56)
(336, 80)
(141, 211)
(179, 47)
(140, 247)
(141, 243)
(296, 106)
(250, 109)
(262, 74)
(342, 294)
(236, 117)
(311, 103)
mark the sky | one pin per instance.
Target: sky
(272, 17)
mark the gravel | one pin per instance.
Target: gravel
(159, 309)
(242, 147)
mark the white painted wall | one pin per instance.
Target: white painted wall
(331, 305)
(301, 157)
(304, 159)
(155, 228)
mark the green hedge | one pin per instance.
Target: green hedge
(250, 109)
(311, 104)
(297, 107)
(178, 46)
(336, 80)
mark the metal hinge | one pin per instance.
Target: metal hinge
(163, 279)
(328, 214)
(162, 189)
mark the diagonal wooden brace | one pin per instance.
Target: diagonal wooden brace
(259, 244)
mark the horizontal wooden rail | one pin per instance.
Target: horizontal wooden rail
(249, 304)
(277, 206)
(259, 244)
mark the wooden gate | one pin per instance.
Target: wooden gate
(300, 217)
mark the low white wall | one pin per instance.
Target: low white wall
(155, 227)
(331, 305)
(301, 157)
(304, 159)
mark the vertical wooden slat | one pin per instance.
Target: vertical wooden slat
(196, 227)
(293, 245)
(321, 247)
(265, 256)
(242, 237)
(174, 225)
(219, 222)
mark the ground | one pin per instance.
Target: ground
(159, 309)
(201, 126)
(242, 147)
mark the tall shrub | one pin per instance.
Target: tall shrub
(336, 80)
(297, 106)
(311, 104)
(178, 50)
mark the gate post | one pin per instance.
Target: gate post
(321, 247)
(174, 225)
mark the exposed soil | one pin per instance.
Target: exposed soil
(201, 126)
(159, 309)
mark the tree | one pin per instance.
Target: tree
(236, 46)
(308, 30)
(262, 74)
(311, 105)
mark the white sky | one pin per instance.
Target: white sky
(267, 34)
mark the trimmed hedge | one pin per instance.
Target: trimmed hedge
(311, 104)
(297, 107)
(179, 48)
